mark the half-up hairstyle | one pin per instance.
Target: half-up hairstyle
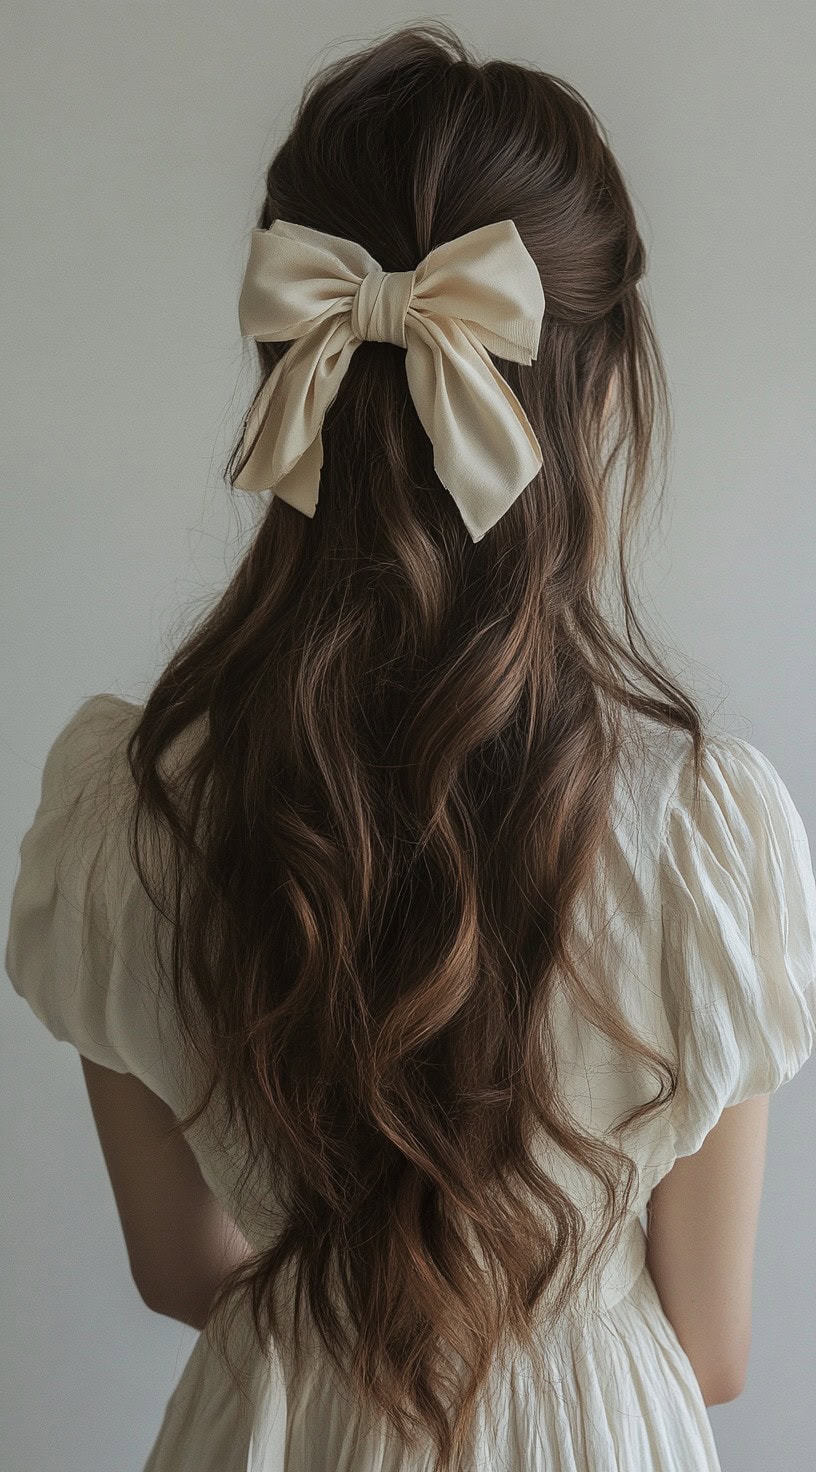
(407, 760)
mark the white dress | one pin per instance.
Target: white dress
(709, 947)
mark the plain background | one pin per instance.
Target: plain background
(135, 141)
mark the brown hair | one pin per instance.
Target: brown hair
(408, 758)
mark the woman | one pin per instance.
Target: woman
(431, 960)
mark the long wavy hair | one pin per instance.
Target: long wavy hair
(407, 761)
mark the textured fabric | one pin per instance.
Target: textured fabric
(744, 1025)
(705, 939)
(478, 294)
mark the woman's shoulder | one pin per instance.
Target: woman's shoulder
(83, 752)
(735, 777)
(95, 724)
(59, 943)
(737, 901)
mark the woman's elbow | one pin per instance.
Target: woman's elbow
(154, 1286)
(186, 1298)
(150, 1292)
(725, 1383)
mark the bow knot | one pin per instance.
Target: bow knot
(323, 294)
(380, 304)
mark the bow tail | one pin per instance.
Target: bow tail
(300, 486)
(286, 420)
(485, 449)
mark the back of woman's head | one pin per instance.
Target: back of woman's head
(408, 759)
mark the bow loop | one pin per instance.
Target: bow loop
(488, 280)
(469, 297)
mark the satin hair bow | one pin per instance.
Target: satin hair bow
(476, 294)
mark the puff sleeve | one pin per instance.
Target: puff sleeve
(58, 950)
(738, 898)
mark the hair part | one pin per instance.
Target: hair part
(407, 763)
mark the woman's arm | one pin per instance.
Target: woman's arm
(180, 1242)
(702, 1223)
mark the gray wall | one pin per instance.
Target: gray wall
(134, 145)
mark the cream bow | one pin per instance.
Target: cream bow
(476, 294)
